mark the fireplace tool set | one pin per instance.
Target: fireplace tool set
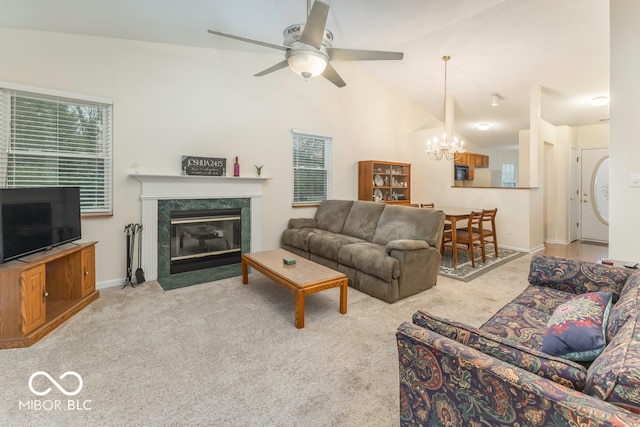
(131, 231)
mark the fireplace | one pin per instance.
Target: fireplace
(163, 195)
(202, 239)
(204, 227)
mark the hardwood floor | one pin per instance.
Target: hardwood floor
(584, 251)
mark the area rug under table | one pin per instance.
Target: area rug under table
(465, 272)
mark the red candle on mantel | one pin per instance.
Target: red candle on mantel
(236, 168)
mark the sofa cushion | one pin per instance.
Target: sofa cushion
(331, 214)
(300, 237)
(406, 245)
(543, 298)
(567, 373)
(626, 309)
(615, 374)
(302, 223)
(403, 222)
(576, 276)
(328, 245)
(370, 258)
(363, 219)
(576, 329)
(518, 323)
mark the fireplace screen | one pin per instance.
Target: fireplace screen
(204, 239)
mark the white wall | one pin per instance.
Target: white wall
(175, 100)
(593, 136)
(624, 147)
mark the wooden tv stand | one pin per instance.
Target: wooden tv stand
(39, 292)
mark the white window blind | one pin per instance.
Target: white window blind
(51, 140)
(311, 168)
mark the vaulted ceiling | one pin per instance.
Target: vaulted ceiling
(496, 46)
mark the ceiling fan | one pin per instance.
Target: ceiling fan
(308, 48)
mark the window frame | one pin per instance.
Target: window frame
(97, 199)
(298, 165)
(505, 174)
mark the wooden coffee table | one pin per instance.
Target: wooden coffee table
(302, 278)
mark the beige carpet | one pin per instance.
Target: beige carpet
(224, 354)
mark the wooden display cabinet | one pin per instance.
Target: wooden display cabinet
(387, 182)
(41, 291)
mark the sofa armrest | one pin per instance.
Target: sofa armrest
(445, 382)
(577, 277)
(302, 223)
(406, 245)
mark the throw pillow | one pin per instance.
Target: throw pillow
(577, 329)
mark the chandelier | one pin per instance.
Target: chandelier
(449, 148)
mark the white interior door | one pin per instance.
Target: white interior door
(595, 195)
(574, 196)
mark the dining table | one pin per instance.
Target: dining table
(455, 214)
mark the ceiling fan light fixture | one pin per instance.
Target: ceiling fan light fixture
(306, 63)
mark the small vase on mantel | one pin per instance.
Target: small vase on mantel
(236, 168)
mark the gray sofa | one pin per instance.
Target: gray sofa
(387, 251)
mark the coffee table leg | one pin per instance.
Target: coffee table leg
(245, 273)
(343, 297)
(299, 310)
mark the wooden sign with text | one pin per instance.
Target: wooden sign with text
(204, 166)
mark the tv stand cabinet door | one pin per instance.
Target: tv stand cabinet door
(33, 302)
(88, 270)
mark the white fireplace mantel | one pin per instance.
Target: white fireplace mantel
(173, 187)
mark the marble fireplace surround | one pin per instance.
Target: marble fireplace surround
(184, 190)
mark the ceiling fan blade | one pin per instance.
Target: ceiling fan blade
(316, 22)
(337, 54)
(276, 67)
(244, 39)
(330, 74)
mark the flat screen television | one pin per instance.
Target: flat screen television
(37, 219)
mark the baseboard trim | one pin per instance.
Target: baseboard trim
(109, 284)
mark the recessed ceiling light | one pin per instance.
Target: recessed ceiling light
(599, 101)
(484, 126)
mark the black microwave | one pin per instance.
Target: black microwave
(461, 172)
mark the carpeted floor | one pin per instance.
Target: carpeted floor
(466, 272)
(226, 354)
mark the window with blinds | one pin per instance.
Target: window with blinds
(311, 168)
(51, 140)
(508, 175)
